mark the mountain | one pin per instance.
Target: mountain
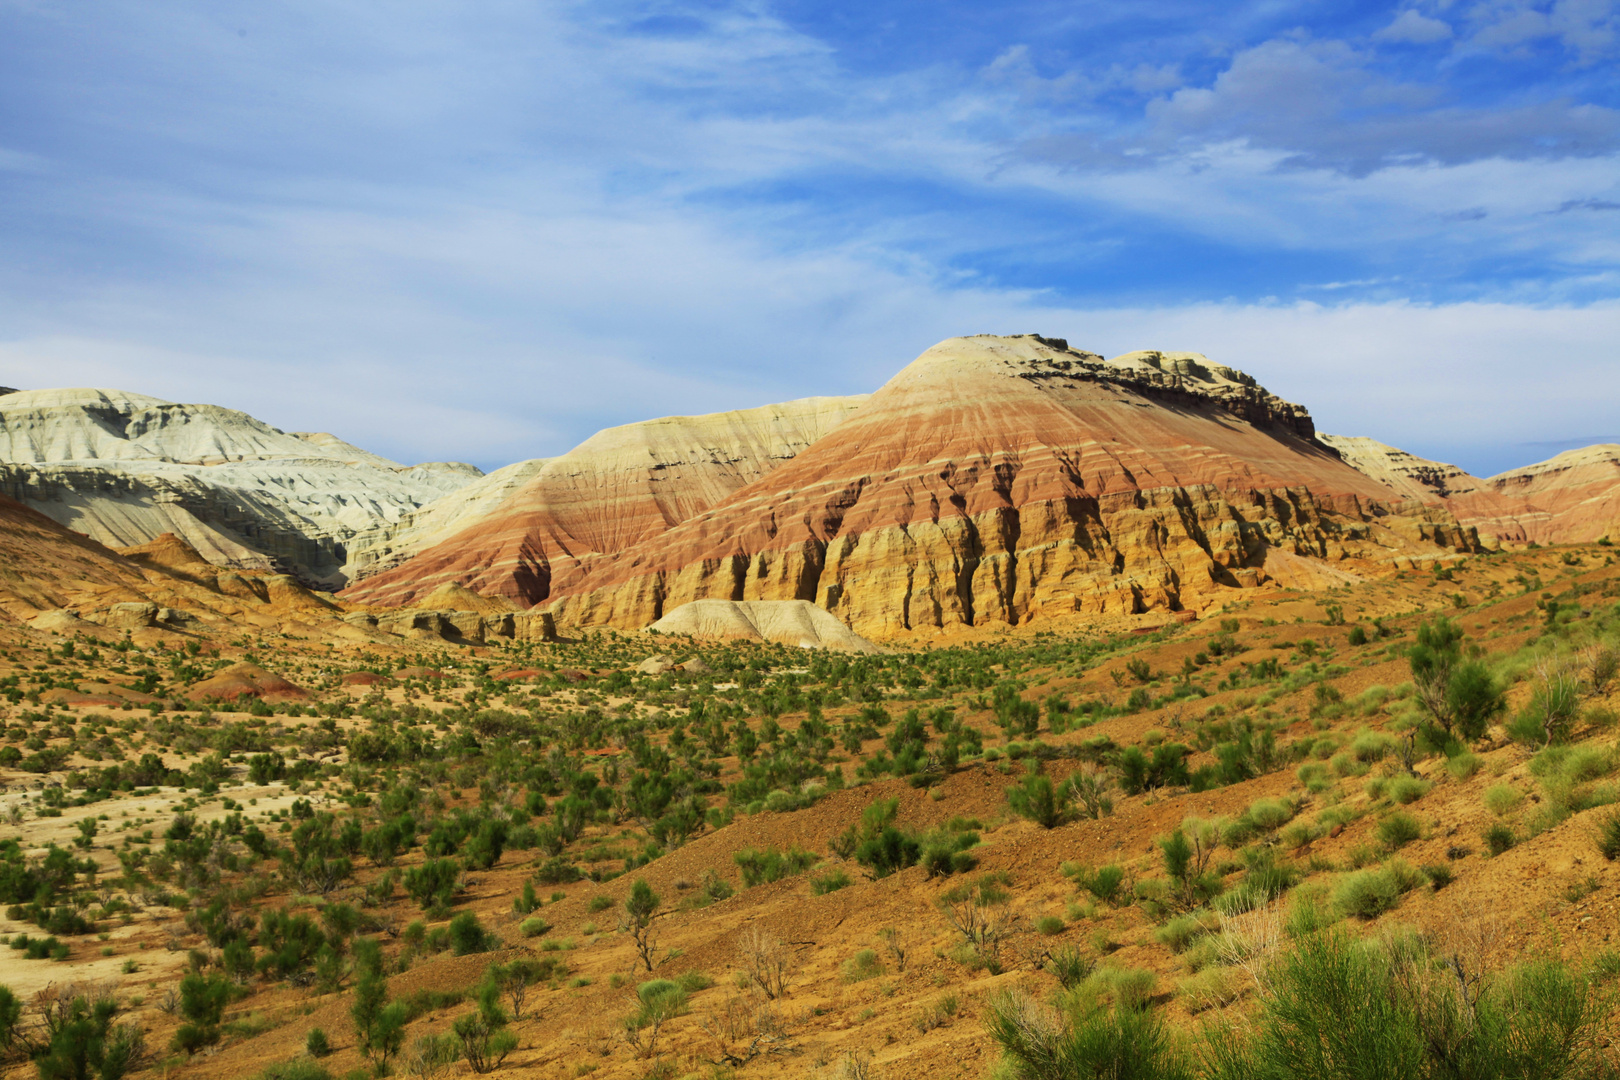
(125, 468)
(996, 480)
(993, 480)
(622, 486)
(1571, 498)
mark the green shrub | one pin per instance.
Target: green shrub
(534, 926)
(1069, 965)
(317, 1043)
(862, 966)
(599, 902)
(1608, 835)
(764, 867)
(831, 881)
(1503, 799)
(1104, 883)
(1366, 894)
(467, 935)
(1397, 830)
(1439, 874)
(1180, 932)
(1038, 800)
(1408, 789)
(1119, 1043)
(1269, 815)
(1463, 766)
(1049, 926)
(1499, 838)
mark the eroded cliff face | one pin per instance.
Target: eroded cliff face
(125, 468)
(996, 480)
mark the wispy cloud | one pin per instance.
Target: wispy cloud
(485, 231)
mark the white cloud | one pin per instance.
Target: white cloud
(1414, 28)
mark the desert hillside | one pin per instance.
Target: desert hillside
(1036, 716)
(701, 853)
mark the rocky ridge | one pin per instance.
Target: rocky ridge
(126, 468)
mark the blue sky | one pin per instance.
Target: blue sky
(483, 231)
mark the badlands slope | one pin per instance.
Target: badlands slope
(621, 486)
(125, 468)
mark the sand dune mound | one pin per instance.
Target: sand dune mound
(786, 622)
(242, 680)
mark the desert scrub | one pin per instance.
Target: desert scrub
(831, 881)
(1269, 815)
(1607, 835)
(1464, 765)
(1371, 746)
(1500, 837)
(1397, 830)
(1127, 988)
(1503, 799)
(1069, 966)
(764, 867)
(1181, 932)
(1406, 790)
(1212, 988)
(862, 966)
(1367, 894)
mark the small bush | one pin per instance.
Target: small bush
(467, 935)
(1503, 799)
(1049, 925)
(1397, 830)
(1500, 838)
(599, 902)
(1069, 965)
(862, 966)
(831, 881)
(1439, 874)
(1408, 789)
(1608, 835)
(1366, 894)
(534, 926)
(764, 867)
(1464, 765)
(1180, 932)
(317, 1043)
(1269, 815)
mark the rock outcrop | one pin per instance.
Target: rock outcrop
(125, 468)
(620, 487)
(1571, 498)
(997, 480)
(787, 622)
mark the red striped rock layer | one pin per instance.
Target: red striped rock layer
(620, 487)
(1571, 498)
(998, 479)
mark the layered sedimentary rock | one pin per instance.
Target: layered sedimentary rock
(620, 487)
(125, 468)
(389, 544)
(996, 480)
(1571, 498)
